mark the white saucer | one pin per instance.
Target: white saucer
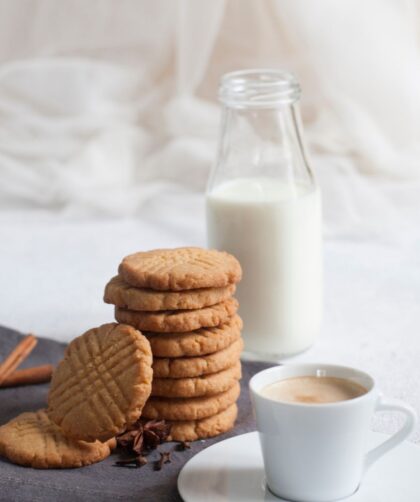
(232, 471)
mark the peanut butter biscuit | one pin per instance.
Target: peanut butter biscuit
(32, 439)
(180, 268)
(102, 383)
(122, 294)
(182, 367)
(195, 343)
(191, 430)
(179, 321)
(193, 408)
(206, 385)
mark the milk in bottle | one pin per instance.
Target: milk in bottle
(264, 207)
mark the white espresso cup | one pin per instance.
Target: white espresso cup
(317, 452)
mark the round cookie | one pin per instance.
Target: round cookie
(206, 385)
(102, 383)
(180, 268)
(195, 343)
(32, 439)
(183, 367)
(191, 430)
(192, 408)
(179, 321)
(122, 294)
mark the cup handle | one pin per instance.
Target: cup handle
(386, 404)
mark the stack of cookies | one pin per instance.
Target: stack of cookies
(181, 300)
(184, 368)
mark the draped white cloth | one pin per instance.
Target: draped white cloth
(104, 104)
(108, 128)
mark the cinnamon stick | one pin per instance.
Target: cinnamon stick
(29, 376)
(18, 354)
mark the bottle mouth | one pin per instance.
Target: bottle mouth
(264, 88)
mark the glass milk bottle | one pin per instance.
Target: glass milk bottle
(263, 205)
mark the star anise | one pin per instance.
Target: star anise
(155, 432)
(140, 438)
(127, 438)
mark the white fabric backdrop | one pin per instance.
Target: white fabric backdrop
(108, 124)
(103, 104)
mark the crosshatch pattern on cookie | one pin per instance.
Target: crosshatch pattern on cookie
(182, 367)
(180, 269)
(33, 439)
(103, 382)
(200, 342)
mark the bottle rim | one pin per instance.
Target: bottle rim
(258, 88)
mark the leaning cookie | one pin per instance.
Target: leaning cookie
(32, 439)
(193, 408)
(205, 385)
(102, 384)
(183, 367)
(179, 321)
(191, 430)
(120, 293)
(200, 342)
(181, 268)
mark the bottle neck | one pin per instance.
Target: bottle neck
(265, 88)
(263, 142)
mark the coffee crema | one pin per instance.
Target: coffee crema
(313, 390)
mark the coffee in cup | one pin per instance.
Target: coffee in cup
(313, 390)
(313, 422)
